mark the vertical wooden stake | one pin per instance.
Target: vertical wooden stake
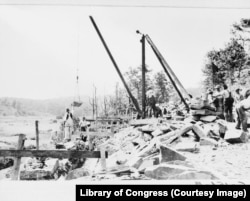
(90, 138)
(17, 161)
(37, 135)
(103, 158)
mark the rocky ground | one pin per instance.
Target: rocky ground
(153, 149)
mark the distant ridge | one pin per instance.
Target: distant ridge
(10, 106)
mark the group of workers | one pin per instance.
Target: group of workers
(225, 103)
(223, 100)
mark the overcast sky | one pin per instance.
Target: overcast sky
(41, 47)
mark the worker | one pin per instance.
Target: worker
(68, 125)
(218, 102)
(151, 104)
(243, 109)
(238, 97)
(228, 101)
(210, 97)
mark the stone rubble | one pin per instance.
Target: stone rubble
(159, 149)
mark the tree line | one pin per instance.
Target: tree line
(230, 64)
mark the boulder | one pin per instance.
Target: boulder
(32, 171)
(168, 154)
(208, 141)
(164, 171)
(77, 173)
(199, 131)
(236, 136)
(194, 175)
(210, 118)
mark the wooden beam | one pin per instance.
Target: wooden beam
(116, 66)
(52, 153)
(37, 135)
(17, 161)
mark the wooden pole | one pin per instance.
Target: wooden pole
(37, 135)
(116, 66)
(143, 78)
(169, 73)
(168, 67)
(103, 158)
(17, 161)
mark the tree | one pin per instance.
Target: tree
(93, 103)
(225, 65)
(134, 77)
(163, 88)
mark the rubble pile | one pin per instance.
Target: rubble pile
(38, 169)
(158, 149)
(202, 111)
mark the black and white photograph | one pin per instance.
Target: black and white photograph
(123, 92)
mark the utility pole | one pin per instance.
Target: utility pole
(143, 75)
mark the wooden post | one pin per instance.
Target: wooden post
(143, 78)
(17, 161)
(37, 136)
(103, 158)
(90, 138)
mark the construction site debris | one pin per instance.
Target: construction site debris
(35, 169)
(146, 149)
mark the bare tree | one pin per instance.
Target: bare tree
(93, 103)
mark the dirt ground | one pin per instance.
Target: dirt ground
(10, 127)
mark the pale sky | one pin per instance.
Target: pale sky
(41, 47)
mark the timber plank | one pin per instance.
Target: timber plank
(52, 153)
